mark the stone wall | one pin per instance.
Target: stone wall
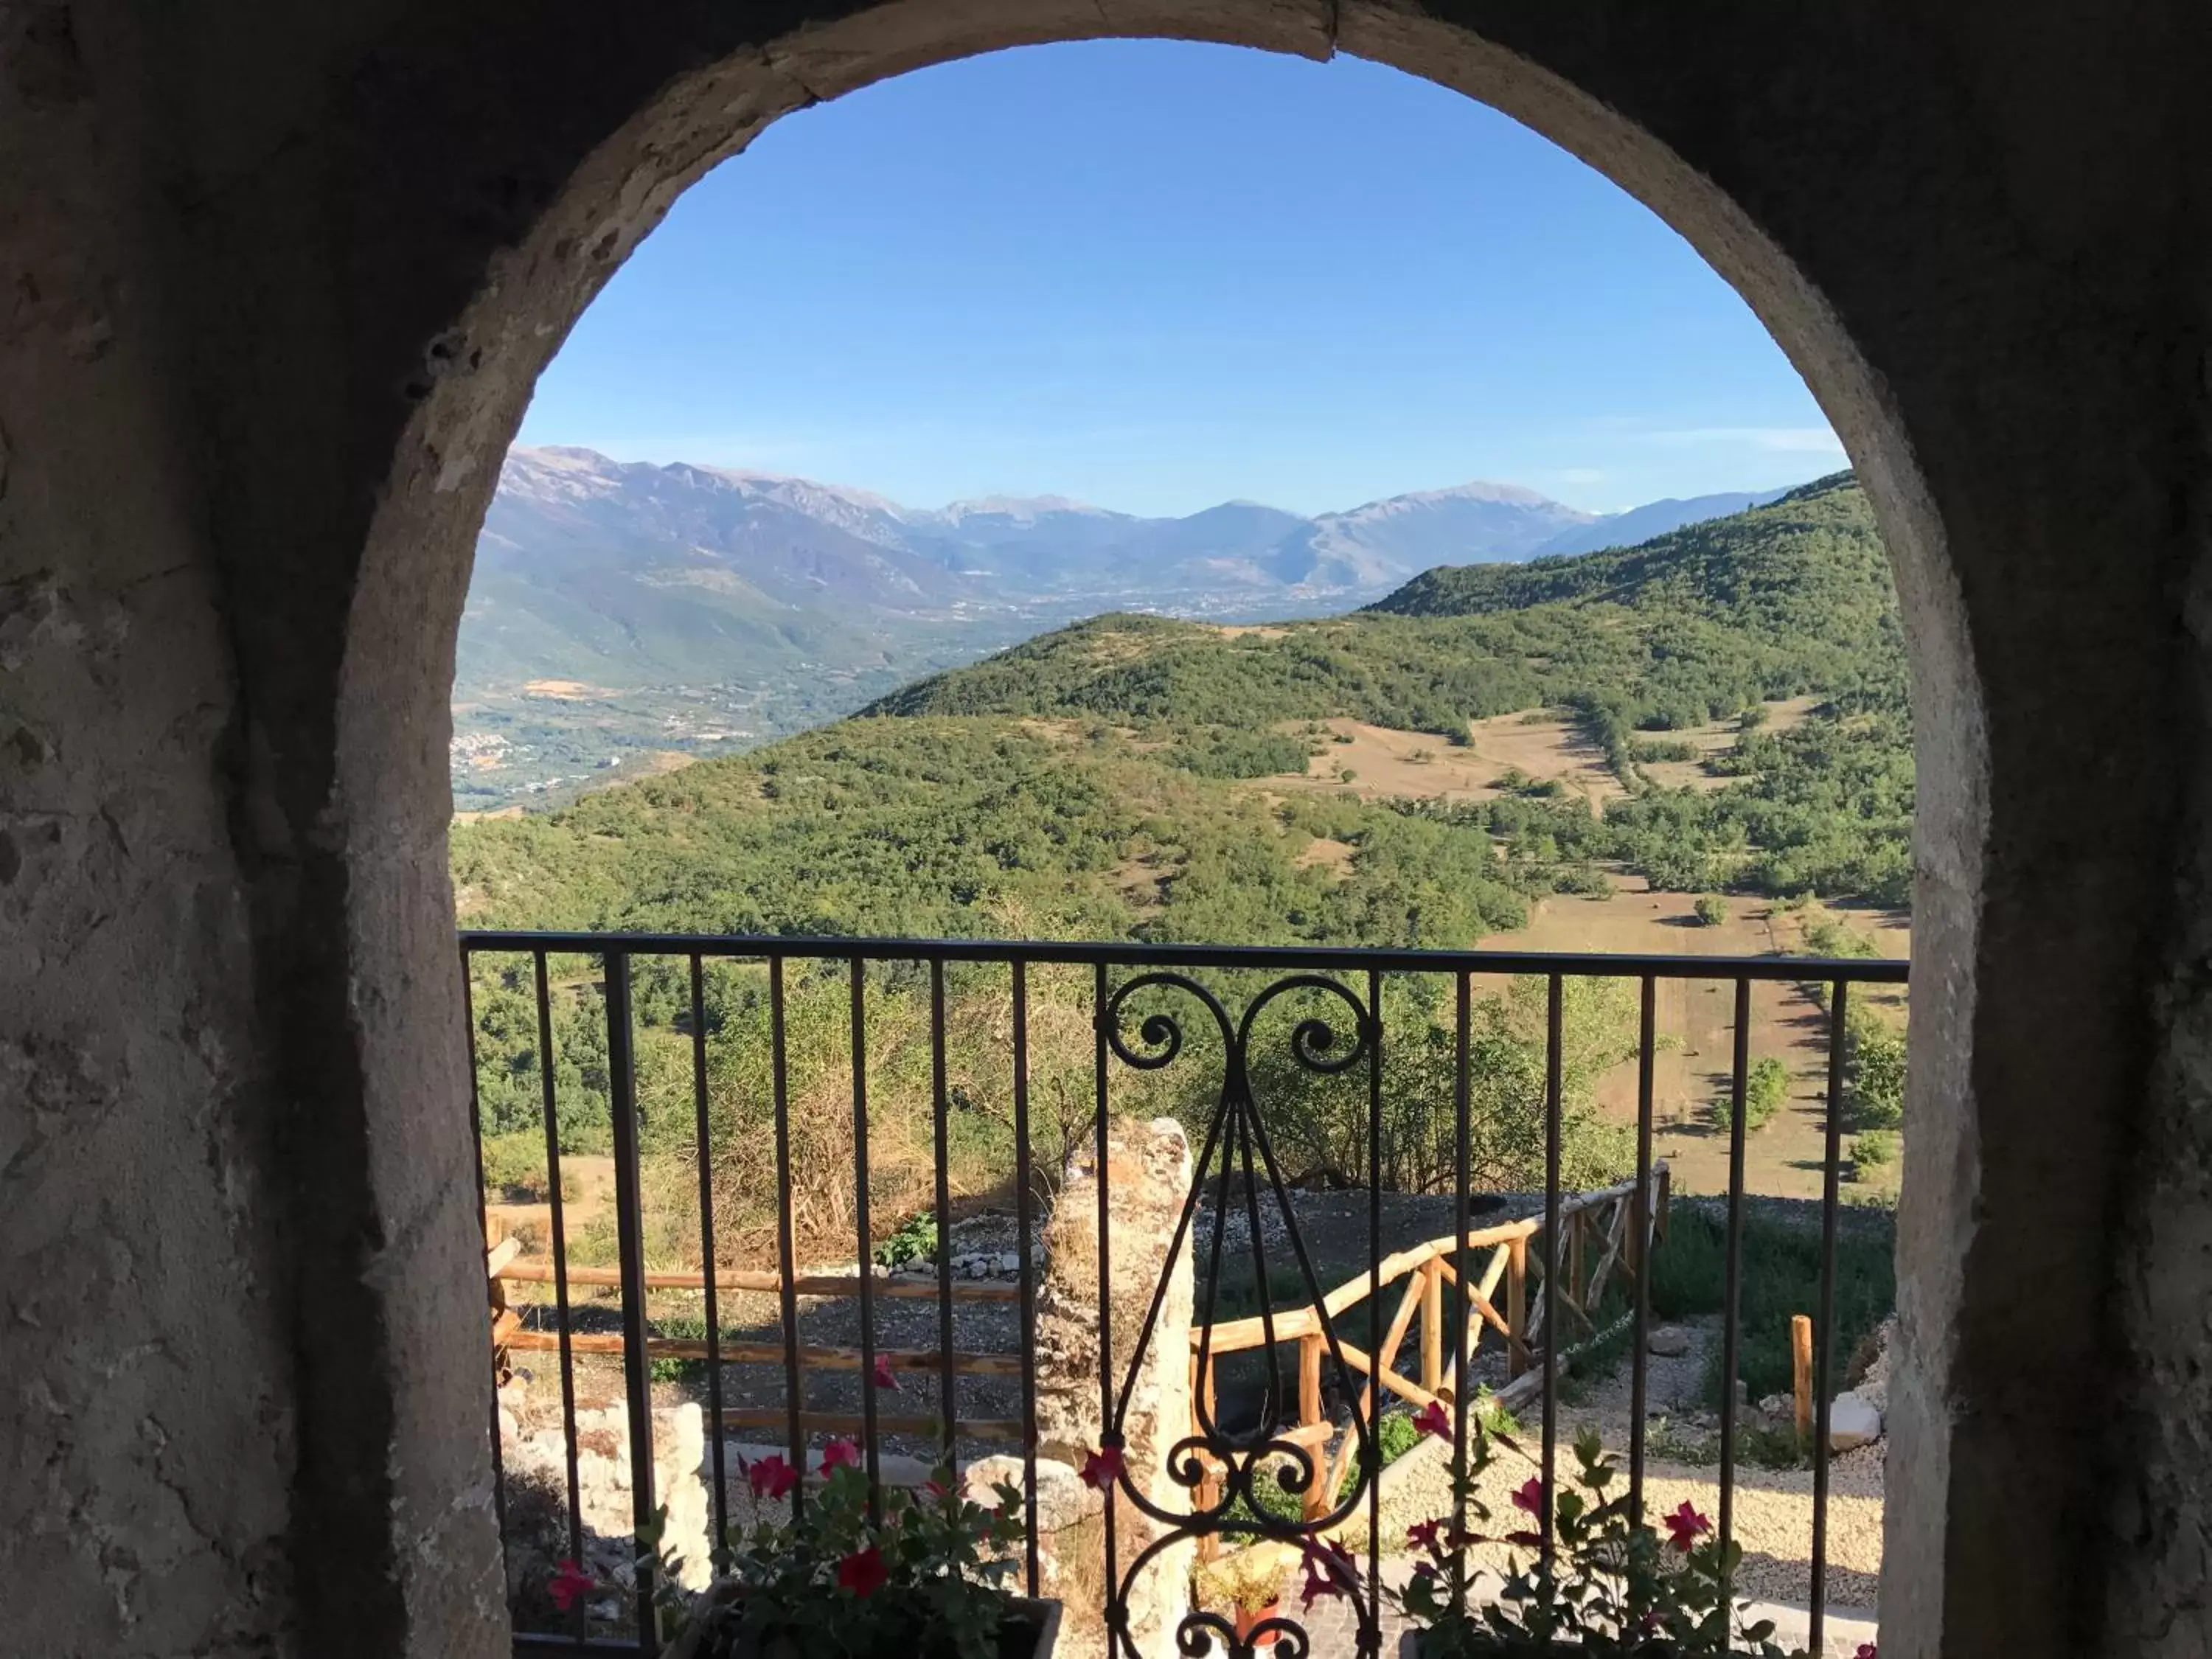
(537, 1460)
(1147, 1177)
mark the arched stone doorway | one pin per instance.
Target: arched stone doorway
(373, 254)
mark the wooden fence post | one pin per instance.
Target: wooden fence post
(1517, 1306)
(1801, 1359)
(1578, 1264)
(1432, 1330)
(1309, 1354)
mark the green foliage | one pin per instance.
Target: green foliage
(1781, 1276)
(915, 1241)
(1871, 1149)
(1874, 1073)
(1765, 1091)
(1711, 910)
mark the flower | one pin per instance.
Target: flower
(1684, 1525)
(570, 1585)
(1866, 1651)
(1528, 1496)
(863, 1571)
(937, 1489)
(1433, 1418)
(841, 1454)
(771, 1477)
(1103, 1467)
(885, 1377)
(1422, 1535)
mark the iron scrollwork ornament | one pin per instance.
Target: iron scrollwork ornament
(1238, 1460)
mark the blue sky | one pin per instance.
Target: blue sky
(1157, 275)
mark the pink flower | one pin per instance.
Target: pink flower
(863, 1571)
(1684, 1525)
(937, 1489)
(885, 1377)
(1433, 1418)
(771, 1477)
(1528, 1496)
(1866, 1651)
(570, 1585)
(1103, 1467)
(841, 1454)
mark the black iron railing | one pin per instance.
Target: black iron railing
(555, 1022)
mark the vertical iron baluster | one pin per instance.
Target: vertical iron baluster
(948, 1380)
(1022, 1244)
(560, 1262)
(1371, 1627)
(1554, 1014)
(707, 1250)
(794, 1392)
(1823, 1332)
(870, 1450)
(1109, 1436)
(1732, 1312)
(637, 1367)
(1639, 1222)
(1462, 1307)
(483, 1222)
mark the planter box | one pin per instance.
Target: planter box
(1030, 1630)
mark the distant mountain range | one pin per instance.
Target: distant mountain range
(624, 573)
(627, 605)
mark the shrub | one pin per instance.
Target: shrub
(1872, 1149)
(915, 1241)
(1711, 910)
(1874, 1073)
(515, 1167)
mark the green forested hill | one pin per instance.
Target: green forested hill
(1784, 599)
(1086, 783)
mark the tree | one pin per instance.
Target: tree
(1712, 911)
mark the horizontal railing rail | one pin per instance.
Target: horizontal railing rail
(744, 1099)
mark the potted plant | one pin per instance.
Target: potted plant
(928, 1580)
(1247, 1584)
(1617, 1588)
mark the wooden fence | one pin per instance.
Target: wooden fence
(1600, 1239)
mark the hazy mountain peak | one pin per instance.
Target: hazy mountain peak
(1026, 509)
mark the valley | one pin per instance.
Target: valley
(688, 611)
(1698, 744)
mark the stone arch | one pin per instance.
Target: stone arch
(454, 181)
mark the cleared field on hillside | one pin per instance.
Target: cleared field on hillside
(1385, 763)
(1714, 738)
(1696, 1025)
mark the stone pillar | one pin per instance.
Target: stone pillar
(1148, 1175)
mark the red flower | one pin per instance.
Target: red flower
(885, 1377)
(771, 1477)
(841, 1454)
(1103, 1467)
(863, 1571)
(570, 1585)
(1422, 1535)
(1684, 1525)
(1433, 1418)
(937, 1489)
(1866, 1651)
(1528, 1496)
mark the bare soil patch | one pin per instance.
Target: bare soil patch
(1697, 1021)
(1716, 739)
(1386, 762)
